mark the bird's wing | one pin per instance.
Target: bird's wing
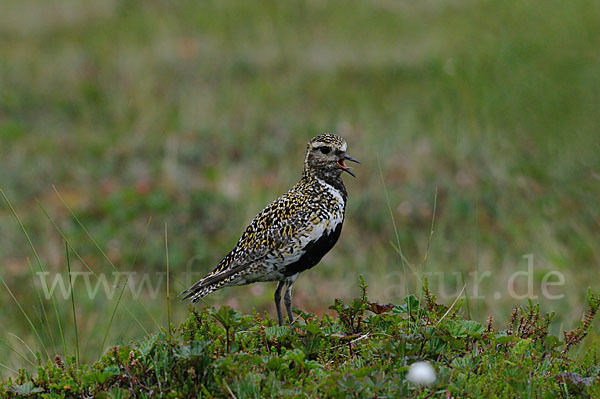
(272, 236)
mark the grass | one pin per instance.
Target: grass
(196, 115)
(365, 350)
(77, 355)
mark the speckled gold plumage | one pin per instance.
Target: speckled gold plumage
(293, 232)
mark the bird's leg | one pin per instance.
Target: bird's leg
(287, 299)
(278, 301)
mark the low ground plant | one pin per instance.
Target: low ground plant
(365, 350)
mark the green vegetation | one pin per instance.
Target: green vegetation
(364, 351)
(195, 114)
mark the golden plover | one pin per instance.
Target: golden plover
(292, 233)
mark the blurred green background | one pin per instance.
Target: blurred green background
(197, 114)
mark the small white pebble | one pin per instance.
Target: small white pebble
(421, 373)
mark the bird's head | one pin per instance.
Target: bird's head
(326, 156)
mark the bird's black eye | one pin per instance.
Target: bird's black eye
(325, 150)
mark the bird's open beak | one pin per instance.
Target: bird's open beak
(342, 165)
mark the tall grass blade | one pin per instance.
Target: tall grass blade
(168, 291)
(13, 349)
(477, 253)
(387, 197)
(84, 229)
(9, 369)
(451, 306)
(64, 237)
(408, 264)
(35, 331)
(431, 230)
(23, 343)
(40, 266)
(77, 355)
(428, 244)
(139, 322)
(114, 312)
(112, 317)
(59, 323)
(42, 307)
(98, 247)
(462, 274)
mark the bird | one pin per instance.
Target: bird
(292, 233)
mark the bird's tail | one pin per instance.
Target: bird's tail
(204, 287)
(197, 292)
(215, 280)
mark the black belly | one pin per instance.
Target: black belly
(315, 250)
